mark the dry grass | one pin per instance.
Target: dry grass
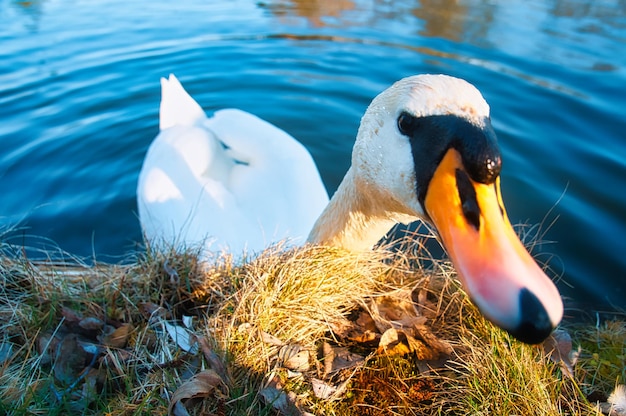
(94, 340)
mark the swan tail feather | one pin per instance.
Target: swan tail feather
(177, 106)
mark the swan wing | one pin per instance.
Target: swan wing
(276, 179)
(232, 181)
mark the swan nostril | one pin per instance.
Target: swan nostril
(535, 324)
(469, 201)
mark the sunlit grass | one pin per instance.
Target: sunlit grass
(246, 315)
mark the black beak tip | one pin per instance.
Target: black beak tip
(535, 324)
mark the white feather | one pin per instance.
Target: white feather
(618, 398)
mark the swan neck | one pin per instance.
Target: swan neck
(355, 218)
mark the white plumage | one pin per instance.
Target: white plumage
(230, 182)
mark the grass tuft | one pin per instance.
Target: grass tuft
(289, 331)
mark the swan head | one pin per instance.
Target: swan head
(427, 145)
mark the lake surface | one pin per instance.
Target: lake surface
(79, 97)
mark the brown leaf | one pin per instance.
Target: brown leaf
(118, 338)
(419, 295)
(91, 324)
(71, 316)
(70, 359)
(366, 337)
(558, 347)
(276, 397)
(90, 389)
(394, 342)
(395, 311)
(294, 357)
(401, 342)
(152, 310)
(270, 339)
(47, 346)
(438, 346)
(203, 384)
(323, 390)
(363, 330)
(339, 358)
(366, 322)
(214, 360)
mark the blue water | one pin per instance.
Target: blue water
(79, 96)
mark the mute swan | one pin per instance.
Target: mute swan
(425, 149)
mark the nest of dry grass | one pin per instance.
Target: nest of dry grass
(312, 330)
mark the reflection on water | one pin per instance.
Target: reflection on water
(471, 21)
(32, 10)
(607, 11)
(317, 12)
(455, 20)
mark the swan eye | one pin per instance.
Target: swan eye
(407, 124)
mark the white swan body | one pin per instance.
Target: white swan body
(230, 182)
(425, 150)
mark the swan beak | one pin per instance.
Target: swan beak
(497, 272)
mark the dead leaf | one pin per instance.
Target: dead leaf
(91, 324)
(70, 315)
(214, 360)
(118, 338)
(46, 347)
(558, 347)
(179, 410)
(70, 359)
(90, 390)
(270, 339)
(321, 389)
(202, 385)
(294, 357)
(419, 295)
(363, 330)
(401, 342)
(276, 397)
(439, 346)
(152, 310)
(325, 391)
(366, 322)
(395, 311)
(188, 321)
(339, 358)
(89, 346)
(182, 337)
(394, 342)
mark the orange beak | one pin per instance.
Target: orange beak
(495, 269)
